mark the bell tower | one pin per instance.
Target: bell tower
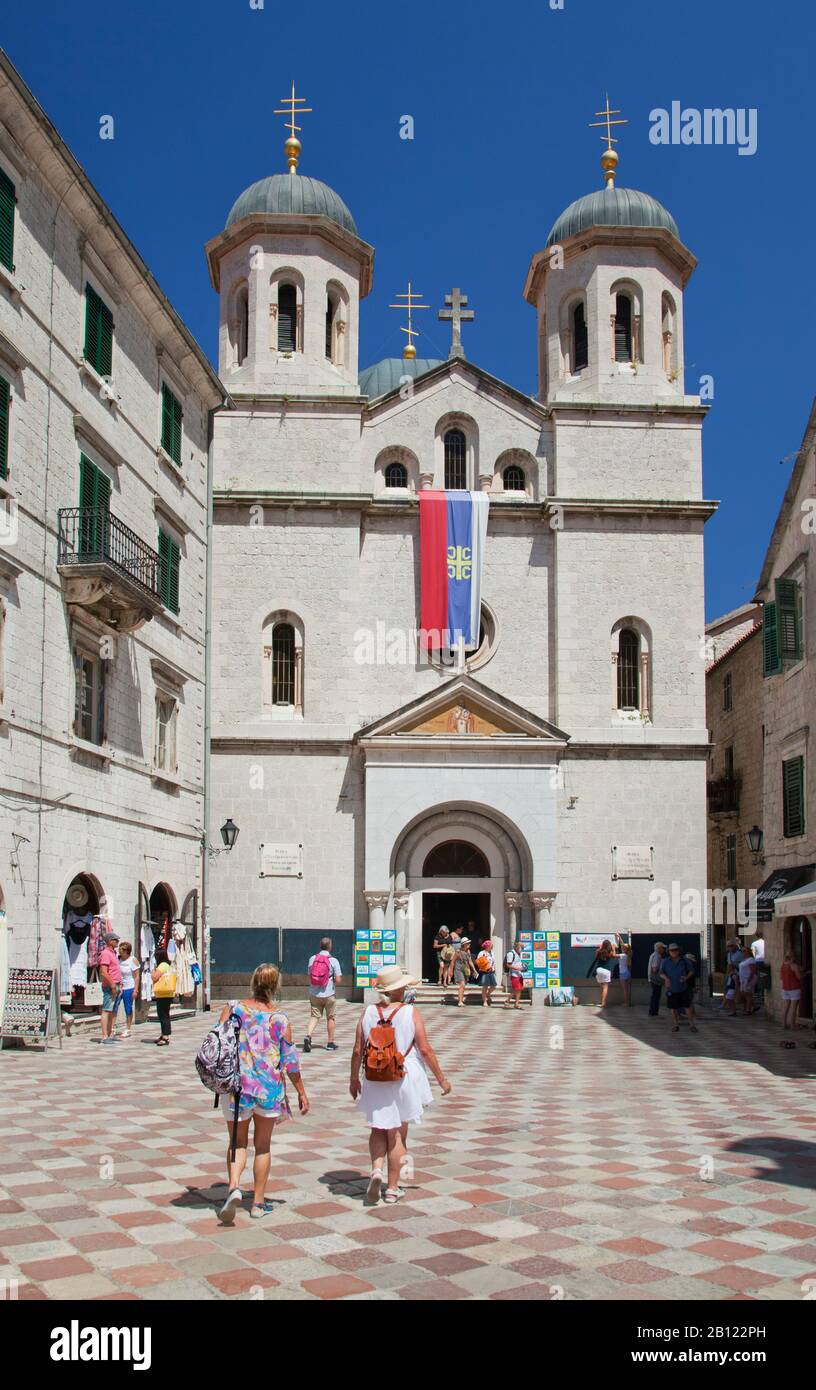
(290, 271)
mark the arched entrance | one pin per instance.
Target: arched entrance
(85, 900)
(798, 939)
(456, 866)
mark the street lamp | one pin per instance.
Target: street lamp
(229, 833)
(755, 839)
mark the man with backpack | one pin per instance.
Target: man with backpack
(675, 973)
(324, 976)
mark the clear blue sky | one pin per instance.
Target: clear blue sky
(501, 95)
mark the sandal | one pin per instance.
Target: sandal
(393, 1194)
(162, 1042)
(375, 1182)
(407, 1168)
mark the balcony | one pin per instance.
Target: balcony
(106, 570)
(723, 795)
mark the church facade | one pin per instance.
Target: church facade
(552, 777)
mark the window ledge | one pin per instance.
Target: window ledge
(171, 780)
(795, 668)
(6, 489)
(9, 279)
(170, 466)
(102, 751)
(106, 389)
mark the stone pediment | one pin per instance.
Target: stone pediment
(462, 710)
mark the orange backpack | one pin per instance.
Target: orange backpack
(383, 1061)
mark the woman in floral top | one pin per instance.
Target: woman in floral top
(266, 1054)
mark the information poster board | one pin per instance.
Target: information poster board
(541, 959)
(31, 1009)
(374, 948)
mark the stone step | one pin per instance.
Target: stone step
(449, 994)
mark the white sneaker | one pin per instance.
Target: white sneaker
(226, 1214)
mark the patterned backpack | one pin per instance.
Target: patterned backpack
(217, 1060)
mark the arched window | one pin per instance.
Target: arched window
(396, 475)
(241, 328)
(623, 328)
(456, 859)
(455, 460)
(514, 479)
(283, 664)
(580, 338)
(628, 669)
(287, 318)
(669, 337)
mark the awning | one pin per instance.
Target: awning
(798, 904)
(778, 884)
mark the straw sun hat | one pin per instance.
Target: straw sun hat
(393, 978)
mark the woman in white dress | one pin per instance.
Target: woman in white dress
(391, 1106)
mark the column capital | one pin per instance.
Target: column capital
(540, 900)
(485, 482)
(401, 900)
(513, 900)
(426, 481)
(375, 900)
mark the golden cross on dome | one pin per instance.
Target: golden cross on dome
(609, 158)
(411, 297)
(292, 108)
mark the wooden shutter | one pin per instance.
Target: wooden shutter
(793, 796)
(169, 557)
(7, 206)
(98, 333)
(787, 607)
(171, 425)
(287, 318)
(5, 408)
(771, 660)
(189, 910)
(94, 493)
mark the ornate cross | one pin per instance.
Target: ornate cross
(292, 106)
(456, 314)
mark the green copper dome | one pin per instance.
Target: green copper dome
(612, 207)
(387, 375)
(292, 193)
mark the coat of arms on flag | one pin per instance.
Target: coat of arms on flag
(452, 534)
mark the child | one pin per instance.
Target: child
(130, 969)
(730, 989)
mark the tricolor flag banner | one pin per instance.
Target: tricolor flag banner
(452, 534)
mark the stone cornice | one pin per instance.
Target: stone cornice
(622, 237)
(702, 508)
(291, 225)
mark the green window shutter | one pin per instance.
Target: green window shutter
(98, 333)
(8, 203)
(771, 660)
(787, 604)
(171, 425)
(5, 409)
(793, 796)
(94, 492)
(169, 557)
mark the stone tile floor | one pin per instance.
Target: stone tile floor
(581, 1156)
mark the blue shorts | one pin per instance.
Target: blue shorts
(110, 1000)
(127, 997)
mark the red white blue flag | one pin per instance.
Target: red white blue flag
(452, 534)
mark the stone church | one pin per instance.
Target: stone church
(546, 780)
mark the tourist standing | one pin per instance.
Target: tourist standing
(444, 953)
(486, 966)
(110, 971)
(675, 972)
(790, 979)
(324, 977)
(654, 971)
(747, 981)
(626, 972)
(463, 970)
(601, 968)
(130, 970)
(388, 1040)
(514, 970)
(164, 992)
(266, 1055)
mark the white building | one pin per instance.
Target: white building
(103, 501)
(582, 753)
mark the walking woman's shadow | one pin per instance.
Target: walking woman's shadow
(345, 1182)
(213, 1196)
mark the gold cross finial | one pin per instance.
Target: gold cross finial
(292, 107)
(411, 297)
(609, 158)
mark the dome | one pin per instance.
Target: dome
(612, 207)
(295, 194)
(387, 375)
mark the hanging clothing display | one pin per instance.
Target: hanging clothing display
(147, 956)
(184, 958)
(64, 967)
(96, 939)
(76, 931)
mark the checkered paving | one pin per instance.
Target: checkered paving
(581, 1156)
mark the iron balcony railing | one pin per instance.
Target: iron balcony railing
(723, 795)
(90, 535)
